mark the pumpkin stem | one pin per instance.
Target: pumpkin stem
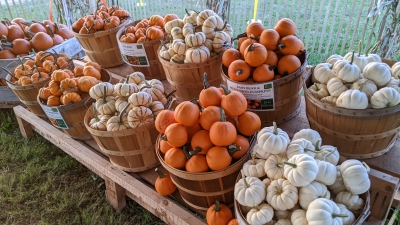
(275, 128)
(359, 48)
(187, 12)
(257, 208)
(316, 87)
(47, 55)
(216, 207)
(285, 73)
(318, 145)
(280, 46)
(330, 153)
(105, 95)
(205, 81)
(95, 112)
(239, 72)
(122, 112)
(169, 94)
(244, 179)
(369, 49)
(232, 149)
(334, 215)
(290, 164)
(251, 47)
(352, 58)
(50, 31)
(366, 166)
(223, 116)
(195, 11)
(310, 150)
(253, 158)
(147, 86)
(223, 27)
(226, 91)
(195, 151)
(22, 63)
(272, 67)
(127, 80)
(164, 138)
(240, 36)
(185, 151)
(160, 174)
(170, 103)
(30, 33)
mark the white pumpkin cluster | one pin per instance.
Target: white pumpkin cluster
(132, 103)
(357, 82)
(301, 183)
(196, 38)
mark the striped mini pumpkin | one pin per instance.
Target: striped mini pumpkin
(197, 54)
(140, 99)
(211, 25)
(140, 116)
(221, 39)
(156, 107)
(203, 15)
(98, 91)
(195, 39)
(179, 46)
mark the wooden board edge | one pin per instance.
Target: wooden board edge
(160, 206)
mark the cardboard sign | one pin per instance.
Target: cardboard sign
(134, 54)
(55, 117)
(263, 94)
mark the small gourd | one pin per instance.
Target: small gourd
(254, 167)
(323, 73)
(308, 134)
(366, 86)
(300, 170)
(282, 195)
(298, 217)
(350, 218)
(355, 176)
(260, 214)
(385, 97)
(273, 139)
(309, 193)
(346, 71)
(379, 73)
(336, 87)
(352, 99)
(300, 146)
(351, 201)
(334, 58)
(274, 166)
(319, 90)
(249, 191)
(331, 100)
(326, 172)
(323, 211)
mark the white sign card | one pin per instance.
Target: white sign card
(261, 96)
(134, 54)
(55, 117)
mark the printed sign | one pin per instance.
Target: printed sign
(134, 54)
(260, 96)
(55, 117)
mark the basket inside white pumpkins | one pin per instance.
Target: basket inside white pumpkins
(196, 38)
(299, 181)
(356, 81)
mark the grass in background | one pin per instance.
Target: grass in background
(41, 184)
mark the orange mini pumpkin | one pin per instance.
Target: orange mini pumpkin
(44, 93)
(53, 100)
(164, 146)
(209, 116)
(154, 32)
(255, 54)
(54, 88)
(156, 20)
(163, 184)
(269, 38)
(59, 75)
(263, 73)
(218, 214)
(197, 163)
(229, 56)
(288, 64)
(187, 113)
(164, 119)
(245, 44)
(248, 123)
(209, 95)
(233, 102)
(254, 29)
(239, 70)
(176, 158)
(170, 17)
(94, 64)
(92, 72)
(289, 45)
(218, 158)
(201, 142)
(176, 135)
(272, 58)
(222, 133)
(243, 144)
(86, 82)
(285, 27)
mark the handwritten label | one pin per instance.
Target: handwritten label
(55, 117)
(261, 96)
(134, 54)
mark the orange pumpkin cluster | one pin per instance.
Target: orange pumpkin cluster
(265, 54)
(68, 86)
(147, 29)
(103, 18)
(19, 37)
(208, 134)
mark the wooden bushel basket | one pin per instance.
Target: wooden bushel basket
(131, 150)
(28, 94)
(201, 190)
(155, 69)
(359, 221)
(74, 113)
(187, 78)
(287, 95)
(102, 47)
(357, 134)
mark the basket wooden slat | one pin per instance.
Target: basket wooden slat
(358, 134)
(131, 150)
(73, 114)
(155, 70)
(200, 190)
(187, 78)
(287, 95)
(102, 47)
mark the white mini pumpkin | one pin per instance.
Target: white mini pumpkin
(396, 70)
(254, 167)
(394, 83)
(121, 103)
(310, 135)
(136, 77)
(355, 176)
(331, 100)
(350, 218)
(101, 89)
(176, 33)
(323, 73)
(385, 97)
(229, 30)
(323, 211)
(140, 99)
(282, 195)
(249, 191)
(351, 201)
(260, 214)
(359, 60)
(197, 54)
(286, 214)
(328, 153)
(179, 46)
(209, 44)
(352, 99)
(283, 222)
(298, 217)
(300, 146)
(366, 86)
(106, 105)
(274, 166)
(267, 181)
(301, 170)
(346, 71)
(260, 153)
(334, 58)
(319, 90)
(173, 23)
(273, 139)
(125, 89)
(310, 192)
(338, 186)
(211, 25)
(326, 172)
(195, 40)
(190, 17)
(336, 87)
(203, 15)
(379, 73)
(139, 116)
(221, 40)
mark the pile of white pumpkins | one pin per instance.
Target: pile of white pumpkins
(299, 182)
(357, 81)
(196, 38)
(132, 103)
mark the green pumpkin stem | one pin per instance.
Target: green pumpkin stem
(164, 138)
(170, 103)
(290, 164)
(334, 215)
(223, 116)
(216, 207)
(318, 145)
(244, 179)
(359, 48)
(187, 12)
(253, 158)
(275, 128)
(330, 153)
(12, 75)
(280, 46)
(160, 174)
(205, 81)
(195, 151)
(226, 90)
(352, 58)
(316, 87)
(22, 63)
(369, 49)
(232, 149)
(251, 47)
(310, 150)
(95, 112)
(366, 166)
(122, 112)
(257, 208)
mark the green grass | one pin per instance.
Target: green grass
(40, 184)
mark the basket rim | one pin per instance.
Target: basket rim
(348, 112)
(196, 176)
(103, 32)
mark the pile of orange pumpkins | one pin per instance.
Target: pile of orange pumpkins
(67, 86)
(104, 18)
(20, 37)
(147, 29)
(265, 54)
(207, 134)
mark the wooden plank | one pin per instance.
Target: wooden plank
(115, 194)
(25, 127)
(164, 208)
